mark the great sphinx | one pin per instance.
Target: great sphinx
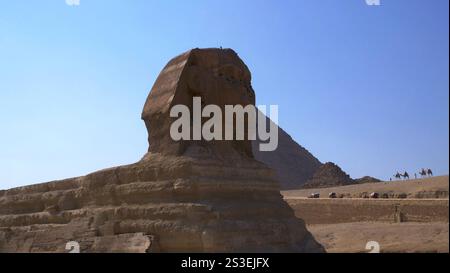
(182, 196)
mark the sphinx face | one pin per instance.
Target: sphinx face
(219, 77)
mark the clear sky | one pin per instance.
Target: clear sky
(366, 87)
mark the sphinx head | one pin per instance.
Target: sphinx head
(216, 76)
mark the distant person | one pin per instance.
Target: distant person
(429, 172)
(390, 178)
(415, 175)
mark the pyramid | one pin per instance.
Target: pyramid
(329, 175)
(292, 163)
(183, 196)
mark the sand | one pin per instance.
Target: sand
(392, 237)
(414, 188)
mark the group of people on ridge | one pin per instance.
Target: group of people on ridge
(424, 173)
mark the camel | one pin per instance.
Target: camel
(423, 173)
(398, 175)
(406, 175)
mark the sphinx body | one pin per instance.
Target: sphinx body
(183, 196)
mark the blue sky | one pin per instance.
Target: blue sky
(366, 87)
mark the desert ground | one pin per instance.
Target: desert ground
(433, 187)
(392, 237)
(417, 222)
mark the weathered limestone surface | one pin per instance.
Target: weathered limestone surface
(189, 196)
(329, 175)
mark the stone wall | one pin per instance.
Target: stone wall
(331, 211)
